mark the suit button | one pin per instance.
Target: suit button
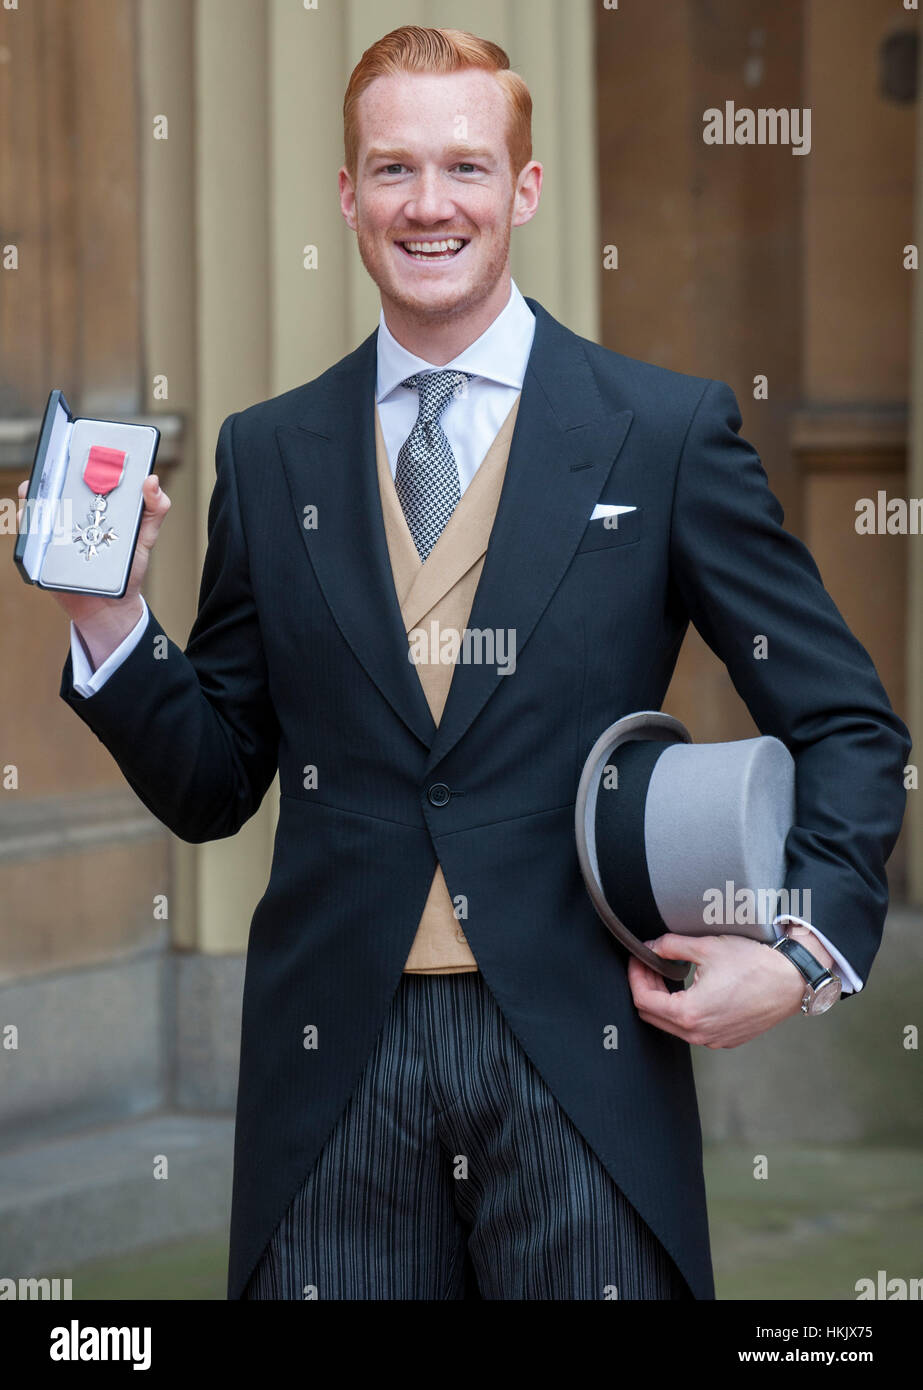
(438, 794)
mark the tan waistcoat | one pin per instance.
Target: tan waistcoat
(441, 591)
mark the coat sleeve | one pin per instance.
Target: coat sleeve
(194, 731)
(755, 594)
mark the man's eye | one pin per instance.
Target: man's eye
(464, 165)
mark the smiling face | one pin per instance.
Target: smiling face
(434, 199)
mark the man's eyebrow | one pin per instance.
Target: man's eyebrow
(458, 151)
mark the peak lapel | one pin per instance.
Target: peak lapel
(563, 448)
(329, 461)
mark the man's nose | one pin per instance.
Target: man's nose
(429, 201)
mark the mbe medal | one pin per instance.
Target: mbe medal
(79, 461)
(102, 473)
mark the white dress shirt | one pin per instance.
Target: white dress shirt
(471, 421)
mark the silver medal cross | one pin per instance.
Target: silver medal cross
(94, 534)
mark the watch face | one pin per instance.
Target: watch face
(825, 996)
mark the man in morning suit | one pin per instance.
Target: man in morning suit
(414, 608)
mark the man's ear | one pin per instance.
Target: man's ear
(347, 197)
(528, 192)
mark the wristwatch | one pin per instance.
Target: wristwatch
(823, 985)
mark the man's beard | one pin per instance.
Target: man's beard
(436, 312)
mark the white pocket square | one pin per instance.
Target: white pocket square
(608, 509)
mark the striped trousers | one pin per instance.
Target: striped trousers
(453, 1172)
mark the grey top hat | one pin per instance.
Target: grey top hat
(693, 834)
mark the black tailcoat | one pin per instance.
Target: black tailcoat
(298, 658)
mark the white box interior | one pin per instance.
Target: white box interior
(53, 552)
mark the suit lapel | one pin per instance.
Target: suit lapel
(563, 447)
(329, 460)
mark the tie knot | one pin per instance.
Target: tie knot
(436, 390)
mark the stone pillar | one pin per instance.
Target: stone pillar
(166, 82)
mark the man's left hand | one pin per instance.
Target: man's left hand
(741, 988)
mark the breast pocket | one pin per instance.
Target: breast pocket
(607, 532)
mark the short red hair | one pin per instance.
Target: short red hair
(414, 49)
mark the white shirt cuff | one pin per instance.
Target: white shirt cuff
(851, 982)
(86, 682)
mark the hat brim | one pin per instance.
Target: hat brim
(641, 724)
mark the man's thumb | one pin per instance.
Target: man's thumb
(156, 506)
(672, 946)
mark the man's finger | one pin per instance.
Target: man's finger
(674, 947)
(152, 493)
(658, 1000)
(156, 506)
(664, 1024)
(639, 972)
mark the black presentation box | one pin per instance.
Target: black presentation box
(70, 535)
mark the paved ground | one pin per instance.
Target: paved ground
(820, 1220)
(823, 1219)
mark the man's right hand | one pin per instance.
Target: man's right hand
(103, 623)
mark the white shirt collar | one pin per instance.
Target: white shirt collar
(500, 354)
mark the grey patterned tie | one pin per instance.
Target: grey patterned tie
(426, 476)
